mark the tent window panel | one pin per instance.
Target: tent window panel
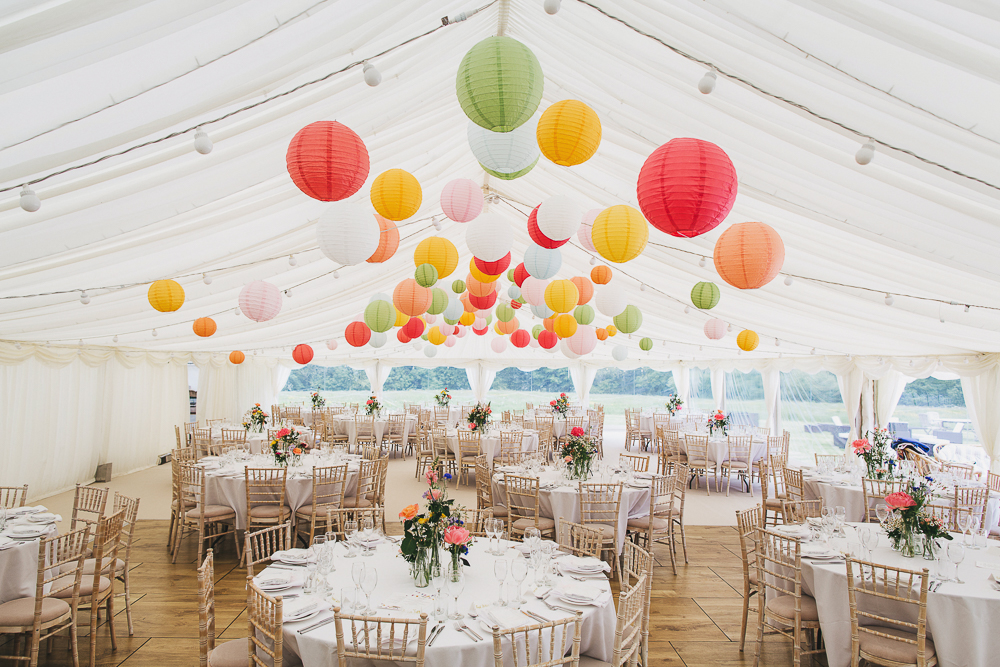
(933, 411)
(813, 413)
(636, 389)
(701, 400)
(745, 398)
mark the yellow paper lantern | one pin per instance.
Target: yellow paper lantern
(748, 340)
(467, 318)
(401, 318)
(435, 337)
(439, 252)
(611, 329)
(561, 295)
(166, 296)
(479, 275)
(396, 194)
(564, 325)
(569, 132)
(620, 233)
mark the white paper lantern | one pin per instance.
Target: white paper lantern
(454, 309)
(380, 296)
(430, 351)
(514, 292)
(430, 319)
(499, 345)
(505, 152)
(533, 291)
(260, 301)
(610, 300)
(534, 343)
(619, 353)
(488, 237)
(583, 234)
(331, 344)
(418, 344)
(462, 200)
(715, 329)
(347, 233)
(542, 263)
(584, 340)
(565, 349)
(542, 311)
(377, 340)
(479, 323)
(559, 217)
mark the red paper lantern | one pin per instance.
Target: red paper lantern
(493, 268)
(687, 187)
(516, 305)
(414, 328)
(520, 273)
(302, 354)
(749, 255)
(548, 339)
(327, 160)
(357, 334)
(520, 338)
(483, 302)
(480, 332)
(402, 337)
(536, 234)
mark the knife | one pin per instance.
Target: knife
(317, 624)
(435, 633)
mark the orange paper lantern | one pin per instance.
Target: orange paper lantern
(204, 327)
(749, 255)
(549, 323)
(466, 304)
(388, 240)
(585, 288)
(602, 334)
(236, 357)
(302, 354)
(600, 275)
(410, 298)
(611, 329)
(477, 287)
(508, 327)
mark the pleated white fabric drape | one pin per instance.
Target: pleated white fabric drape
(682, 381)
(228, 391)
(771, 379)
(583, 381)
(718, 376)
(982, 399)
(888, 390)
(480, 380)
(377, 375)
(850, 384)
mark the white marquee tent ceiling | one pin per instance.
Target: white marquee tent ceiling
(802, 85)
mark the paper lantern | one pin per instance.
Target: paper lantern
(480, 332)
(504, 152)
(542, 263)
(489, 237)
(435, 337)
(454, 309)
(561, 295)
(479, 275)
(567, 352)
(380, 315)
(401, 317)
(559, 217)
(629, 320)
(426, 275)
(260, 301)
(507, 327)
(583, 314)
(458, 286)
(610, 300)
(327, 161)
(583, 341)
(477, 288)
(236, 357)
(516, 304)
(402, 337)
(520, 338)
(430, 351)
(601, 275)
(469, 308)
(646, 344)
(611, 329)
(204, 327)
(499, 84)
(538, 237)
(705, 295)
(347, 233)
(331, 344)
(505, 313)
(467, 318)
(533, 291)
(493, 268)
(166, 296)
(396, 194)
(429, 319)
(619, 353)
(749, 255)
(584, 233)
(379, 296)
(715, 329)
(569, 132)
(542, 311)
(513, 292)
(510, 176)
(547, 339)
(414, 328)
(357, 334)
(535, 330)
(687, 187)
(483, 302)
(377, 340)
(388, 241)
(520, 273)
(584, 287)
(462, 200)
(747, 340)
(499, 345)
(438, 251)
(564, 325)
(302, 354)
(620, 233)
(439, 301)
(549, 324)
(602, 334)
(411, 298)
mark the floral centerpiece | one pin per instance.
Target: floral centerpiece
(317, 400)
(578, 454)
(457, 539)
(255, 419)
(372, 406)
(560, 406)
(479, 417)
(909, 516)
(718, 422)
(286, 446)
(442, 398)
(877, 452)
(674, 404)
(424, 532)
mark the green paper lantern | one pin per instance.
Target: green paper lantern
(425, 336)
(499, 84)
(646, 344)
(583, 314)
(489, 319)
(510, 275)
(629, 320)
(451, 322)
(426, 275)
(520, 300)
(505, 313)
(380, 315)
(512, 175)
(705, 295)
(439, 301)
(458, 286)
(535, 330)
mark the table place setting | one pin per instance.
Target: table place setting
(27, 524)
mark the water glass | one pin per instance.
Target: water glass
(956, 554)
(441, 606)
(519, 571)
(840, 515)
(350, 533)
(500, 572)
(309, 585)
(981, 539)
(347, 599)
(456, 584)
(369, 579)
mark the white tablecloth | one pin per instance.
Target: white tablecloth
(718, 448)
(19, 566)
(318, 648)
(344, 425)
(490, 444)
(558, 423)
(258, 441)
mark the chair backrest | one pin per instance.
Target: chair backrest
(697, 448)
(522, 498)
(237, 436)
(131, 508)
(88, 505)
(107, 539)
(265, 486)
(874, 492)
(636, 462)
(779, 565)
(526, 642)
(484, 489)
(683, 472)
(439, 443)
(206, 608)
(260, 545)
(469, 443)
(762, 431)
(636, 570)
(191, 486)
(368, 478)
(382, 475)
(580, 540)
(739, 448)
(264, 615)
(776, 448)
(328, 486)
(964, 470)
(184, 454)
(795, 487)
(747, 523)
(377, 638)
(661, 496)
(972, 500)
(475, 520)
(629, 625)
(880, 587)
(777, 466)
(797, 511)
(827, 458)
(993, 481)
(60, 566)
(599, 503)
(13, 496)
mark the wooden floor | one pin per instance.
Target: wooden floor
(695, 619)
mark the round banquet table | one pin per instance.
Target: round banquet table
(344, 425)
(490, 444)
(257, 442)
(19, 564)
(225, 484)
(718, 447)
(318, 648)
(558, 423)
(559, 498)
(959, 616)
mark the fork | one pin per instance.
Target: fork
(466, 627)
(557, 607)
(460, 627)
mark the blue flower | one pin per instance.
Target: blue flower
(447, 475)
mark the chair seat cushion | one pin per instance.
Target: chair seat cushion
(784, 606)
(773, 503)
(86, 586)
(354, 501)
(736, 465)
(213, 512)
(544, 523)
(88, 566)
(230, 654)
(499, 511)
(891, 650)
(587, 661)
(753, 577)
(269, 511)
(306, 512)
(607, 531)
(21, 612)
(642, 523)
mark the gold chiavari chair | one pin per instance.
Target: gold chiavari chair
(670, 446)
(336, 435)
(373, 638)
(394, 437)
(772, 506)
(829, 459)
(698, 460)
(123, 563)
(874, 492)
(794, 484)
(201, 440)
(636, 462)
(569, 424)
(364, 432)
(525, 643)
(197, 515)
(628, 643)
(368, 482)
(441, 416)
(580, 540)
(469, 447)
(235, 437)
(100, 589)
(484, 490)
(338, 518)
(657, 522)
(747, 523)
(265, 496)
(328, 487)
(446, 458)
(632, 435)
(424, 452)
(680, 495)
(797, 511)
(475, 521)
(963, 470)
(177, 434)
(738, 461)
(260, 545)
(523, 507)
(293, 414)
(599, 507)
(637, 568)
(510, 442)
(13, 496)
(88, 506)
(265, 647)
(544, 425)
(972, 500)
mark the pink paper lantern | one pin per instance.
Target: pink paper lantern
(715, 329)
(430, 319)
(260, 301)
(449, 341)
(462, 200)
(584, 340)
(533, 291)
(499, 345)
(583, 234)
(331, 344)
(460, 332)
(479, 323)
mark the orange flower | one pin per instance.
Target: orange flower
(409, 511)
(297, 450)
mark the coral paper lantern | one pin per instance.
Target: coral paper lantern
(747, 340)
(480, 332)
(302, 354)
(749, 255)
(402, 337)
(619, 233)
(236, 357)
(414, 328)
(388, 241)
(477, 288)
(489, 237)
(411, 298)
(348, 234)
(166, 296)
(547, 339)
(705, 295)
(520, 273)
(462, 200)
(542, 263)
(438, 251)
(327, 161)
(585, 288)
(380, 315)
(687, 187)
(499, 345)
(504, 152)
(493, 268)
(564, 325)
(499, 84)
(357, 334)
(561, 296)
(715, 329)
(584, 233)
(520, 338)
(601, 275)
(538, 237)
(204, 327)
(558, 218)
(396, 194)
(508, 327)
(260, 301)
(629, 320)
(569, 132)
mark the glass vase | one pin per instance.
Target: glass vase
(422, 567)
(930, 549)
(908, 547)
(579, 470)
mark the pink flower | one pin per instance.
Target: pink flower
(369, 402)
(678, 408)
(282, 433)
(562, 395)
(568, 458)
(576, 432)
(719, 416)
(899, 501)
(456, 535)
(434, 494)
(431, 476)
(552, 402)
(472, 427)
(861, 446)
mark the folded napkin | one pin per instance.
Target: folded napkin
(793, 530)
(506, 618)
(525, 548)
(292, 556)
(32, 530)
(988, 565)
(272, 577)
(30, 509)
(579, 590)
(586, 564)
(299, 607)
(643, 475)
(44, 518)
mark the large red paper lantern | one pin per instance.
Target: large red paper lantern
(327, 160)
(414, 328)
(538, 237)
(483, 302)
(520, 273)
(493, 268)
(749, 255)
(480, 332)
(687, 187)
(520, 338)
(302, 354)
(547, 339)
(357, 334)
(402, 337)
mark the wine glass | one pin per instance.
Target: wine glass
(519, 571)
(366, 537)
(357, 572)
(350, 533)
(965, 523)
(869, 539)
(500, 572)
(318, 542)
(882, 512)
(369, 579)
(490, 530)
(840, 513)
(956, 554)
(455, 584)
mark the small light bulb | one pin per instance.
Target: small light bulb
(207, 279)
(437, 225)
(288, 292)
(115, 339)
(336, 274)
(865, 154)
(642, 287)
(850, 356)
(202, 143)
(966, 309)
(238, 311)
(941, 318)
(702, 262)
(81, 342)
(155, 334)
(84, 297)
(889, 300)
(372, 76)
(687, 309)
(292, 261)
(729, 327)
(29, 200)
(17, 345)
(551, 6)
(812, 351)
(966, 360)
(777, 342)
(593, 261)
(707, 83)
(788, 280)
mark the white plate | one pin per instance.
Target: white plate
(42, 517)
(25, 532)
